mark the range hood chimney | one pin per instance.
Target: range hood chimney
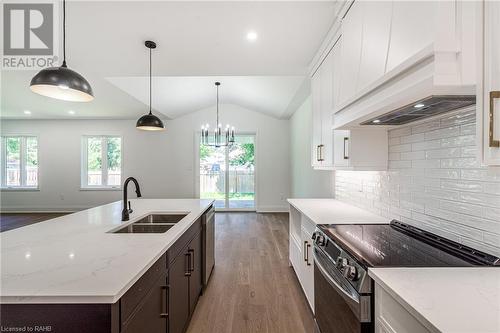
(424, 108)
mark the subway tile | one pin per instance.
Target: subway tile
(441, 194)
(462, 185)
(399, 132)
(426, 163)
(470, 151)
(491, 238)
(462, 207)
(443, 153)
(394, 141)
(459, 119)
(426, 127)
(443, 133)
(459, 141)
(443, 173)
(394, 156)
(399, 164)
(413, 138)
(469, 162)
(400, 148)
(480, 174)
(480, 199)
(468, 129)
(492, 188)
(413, 155)
(492, 214)
(425, 145)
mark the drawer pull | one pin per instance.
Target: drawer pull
(164, 313)
(346, 148)
(191, 260)
(493, 95)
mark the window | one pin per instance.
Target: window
(101, 162)
(19, 162)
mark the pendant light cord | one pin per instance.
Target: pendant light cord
(217, 124)
(150, 78)
(64, 34)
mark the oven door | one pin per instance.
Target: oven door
(338, 307)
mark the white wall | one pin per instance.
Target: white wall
(163, 162)
(305, 181)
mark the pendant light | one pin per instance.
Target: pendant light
(61, 82)
(220, 139)
(150, 122)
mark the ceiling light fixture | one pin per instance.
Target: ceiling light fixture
(28, 112)
(252, 36)
(71, 112)
(150, 122)
(376, 121)
(419, 105)
(217, 140)
(61, 82)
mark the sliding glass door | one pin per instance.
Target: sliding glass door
(227, 174)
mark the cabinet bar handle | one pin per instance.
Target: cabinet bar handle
(304, 251)
(164, 313)
(191, 260)
(346, 148)
(307, 254)
(320, 158)
(187, 264)
(493, 95)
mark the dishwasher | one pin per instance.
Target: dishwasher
(208, 223)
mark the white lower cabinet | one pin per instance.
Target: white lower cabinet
(301, 253)
(392, 317)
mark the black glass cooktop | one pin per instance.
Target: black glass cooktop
(401, 245)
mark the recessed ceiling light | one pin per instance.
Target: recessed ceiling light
(252, 36)
(376, 121)
(71, 112)
(419, 105)
(28, 112)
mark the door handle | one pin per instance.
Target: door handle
(321, 159)
(308, 246)
(191, 260)
(304, 251)
(346, 148)
(317, 153)
(164, 313)
(187, 264)
(493, 143)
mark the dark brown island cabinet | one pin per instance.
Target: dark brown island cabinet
(162, 300)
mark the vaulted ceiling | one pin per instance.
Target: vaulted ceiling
(198, 43)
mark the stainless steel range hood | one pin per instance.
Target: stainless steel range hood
(424, 108)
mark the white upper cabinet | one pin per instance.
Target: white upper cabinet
(395, 53)
(488, 97)
(316, 118)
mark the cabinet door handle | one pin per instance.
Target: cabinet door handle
(317, 153)
(320, 158)
(493, 143)
(187, 264)
(304, 251)
(346, 148)
(164, 313)
(307, 254)
(191, 260)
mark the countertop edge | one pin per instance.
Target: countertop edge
(420, 317)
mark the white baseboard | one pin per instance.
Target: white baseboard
(272, 209)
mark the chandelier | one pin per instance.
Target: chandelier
(221, 138)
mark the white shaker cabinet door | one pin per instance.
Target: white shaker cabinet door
(375, 43)
(326, 110)
(316, 118)
(490, 130)
(352, 32)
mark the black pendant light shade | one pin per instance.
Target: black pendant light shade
(62, 82)
(150, 122)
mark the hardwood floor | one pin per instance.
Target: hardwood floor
(252, 288)
(9, 221)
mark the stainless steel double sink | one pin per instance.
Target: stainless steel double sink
(152, 224)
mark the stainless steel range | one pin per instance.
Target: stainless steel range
(343, 290)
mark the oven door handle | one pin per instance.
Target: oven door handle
(347, 297)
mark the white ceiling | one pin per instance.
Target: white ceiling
(198, 42)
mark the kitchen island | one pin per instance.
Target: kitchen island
(75, 273)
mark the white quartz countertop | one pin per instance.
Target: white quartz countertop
(446, 299)
(331, 211)
(75, 259)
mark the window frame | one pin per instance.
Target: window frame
(22, 163)
(84, 186)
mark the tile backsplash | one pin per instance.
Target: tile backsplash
(434, 182)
